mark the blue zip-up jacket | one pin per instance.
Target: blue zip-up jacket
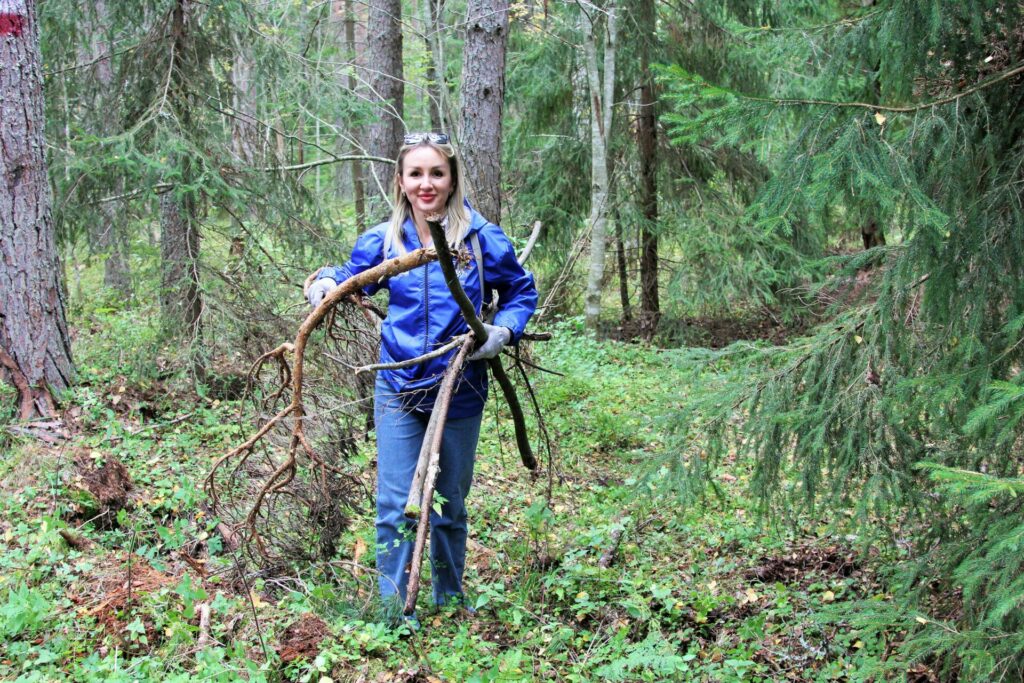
(422, 315)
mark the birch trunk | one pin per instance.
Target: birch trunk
(35, 350)
(601, 100)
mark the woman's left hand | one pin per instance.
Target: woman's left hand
(497, 337)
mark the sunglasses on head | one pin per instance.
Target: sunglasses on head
(433, 138)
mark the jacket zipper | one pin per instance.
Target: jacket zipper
(426, 306)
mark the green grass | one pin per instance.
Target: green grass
(681, 600)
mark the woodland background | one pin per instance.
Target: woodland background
(780, 256)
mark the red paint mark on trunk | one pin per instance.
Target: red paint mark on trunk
(11, 24)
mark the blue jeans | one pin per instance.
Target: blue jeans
(399, 436)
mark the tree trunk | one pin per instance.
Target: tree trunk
(601, 98)
(345, 12)
(387, 89)
(483, 97)
(627, 313)
(647, 144)
(112, 239)
(436, 86)
(180, 295)
(245, 136)
(180, 300)
(35, 350)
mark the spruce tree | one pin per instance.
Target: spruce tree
(905, 401)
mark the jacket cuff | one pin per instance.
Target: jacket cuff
(333, 272)
(509, 323)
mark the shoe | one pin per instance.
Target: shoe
(409, 625)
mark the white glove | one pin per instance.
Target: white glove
(318, 290)
(497, 337)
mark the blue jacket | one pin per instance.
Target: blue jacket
(422, 314)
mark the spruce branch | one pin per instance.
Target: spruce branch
(786, 102)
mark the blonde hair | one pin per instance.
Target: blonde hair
(458, 214)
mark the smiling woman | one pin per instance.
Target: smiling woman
(426, 181)
(423, 317)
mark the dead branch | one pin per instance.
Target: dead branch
(204, 626)
(444, 258)
(440, 351)
(285, 472)
(608, 558)
(432, 440)
(528, 249)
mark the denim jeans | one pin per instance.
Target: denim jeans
(399, 436)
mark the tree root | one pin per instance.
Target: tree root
(293, 375)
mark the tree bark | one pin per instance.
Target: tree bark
(245, 135)
(180, 299)
(111, 238)
(647, 145)
(436, 86)
(180, 295)
(601, 98)
(346, 10)
(483, 97)
(384, 38)
(620, 245)
(35, 349)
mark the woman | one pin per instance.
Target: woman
(422, 315)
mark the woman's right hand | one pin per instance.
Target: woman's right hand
(319, 289)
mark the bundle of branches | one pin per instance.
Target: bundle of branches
(271, 478)
(304, 513)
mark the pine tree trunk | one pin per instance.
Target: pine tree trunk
(647, 144)
(601, 98)
(35, 350)
(387, 89)
(483, 97)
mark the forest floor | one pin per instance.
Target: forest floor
(111, 573)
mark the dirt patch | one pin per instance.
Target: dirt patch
(99, 489)
(117, 593)
(794, 566)
(717, 333)
(301, 640)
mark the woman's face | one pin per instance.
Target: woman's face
(426, 180)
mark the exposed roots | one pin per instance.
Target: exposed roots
(323, 481)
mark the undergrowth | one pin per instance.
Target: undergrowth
(709, 592)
